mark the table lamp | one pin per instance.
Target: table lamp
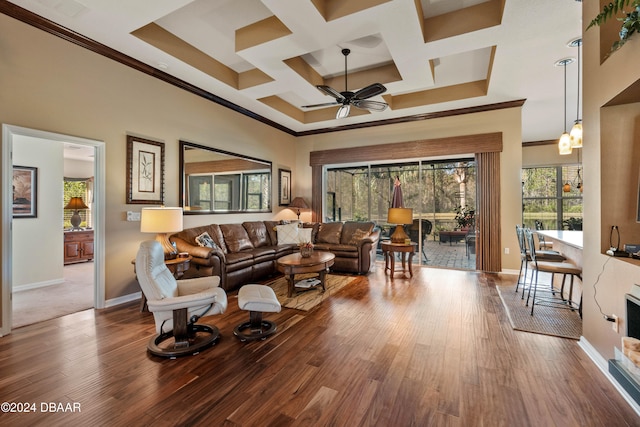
(76, 204)
(399, 216)
(298, 203)
(162, 221)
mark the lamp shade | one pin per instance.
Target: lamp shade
(76, 203)
(576, 135)
(161, 220)
(400, 216)
(564, 144)
(343, 111)
(299, 203)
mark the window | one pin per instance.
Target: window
(77, 187)
(544, 197)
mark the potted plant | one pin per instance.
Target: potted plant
(465, 217)
(630, 24)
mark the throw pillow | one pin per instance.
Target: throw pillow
(205, 240)
(287, 234)
(357, 236)
(304, 235)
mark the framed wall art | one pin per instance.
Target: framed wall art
(284, 187)
(145, 171)
(25, 192)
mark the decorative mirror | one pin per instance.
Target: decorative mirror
(217, 181)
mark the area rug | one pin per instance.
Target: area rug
(545, 320)
(305, 300)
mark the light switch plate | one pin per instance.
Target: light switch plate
(133, 216)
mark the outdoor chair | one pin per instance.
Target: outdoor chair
(420, 236)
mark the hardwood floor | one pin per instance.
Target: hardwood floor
(433, 350)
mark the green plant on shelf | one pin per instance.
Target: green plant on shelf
(630, 23)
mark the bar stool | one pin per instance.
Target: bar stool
(525, 258)
(542, 243)
(565, 268)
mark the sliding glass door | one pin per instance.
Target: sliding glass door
(433, 189)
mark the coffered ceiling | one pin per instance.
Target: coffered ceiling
(266, 57)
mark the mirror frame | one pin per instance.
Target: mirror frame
(183, 181)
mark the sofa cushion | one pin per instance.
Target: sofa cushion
(236, 237)
(287, 234)
(271, 230)
(257, 232)
(343, 249)
(329, 232)
(354, 231)
(189, 235)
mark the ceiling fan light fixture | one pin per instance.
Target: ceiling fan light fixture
(343, 111)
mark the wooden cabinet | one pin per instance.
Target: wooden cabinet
(78, 246)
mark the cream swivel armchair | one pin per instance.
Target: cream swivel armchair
(177, 305)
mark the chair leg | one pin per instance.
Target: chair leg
(520, 275)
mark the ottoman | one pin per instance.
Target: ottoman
(256, 299)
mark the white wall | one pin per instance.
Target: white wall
(38, 242)
(74, 168)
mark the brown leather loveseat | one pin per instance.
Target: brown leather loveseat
(247, 252)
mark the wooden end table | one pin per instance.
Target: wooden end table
(388, 251)
(290, 265)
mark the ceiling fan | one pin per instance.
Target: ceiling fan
(347, 98)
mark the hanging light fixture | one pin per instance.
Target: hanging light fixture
(564, 143)
(575, 135)
(343, 111)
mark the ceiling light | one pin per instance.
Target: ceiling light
(576, 130)
(564, 143)
(343, 111)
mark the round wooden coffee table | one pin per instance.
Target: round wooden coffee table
(290, 265)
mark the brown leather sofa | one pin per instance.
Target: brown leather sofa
(247, 252)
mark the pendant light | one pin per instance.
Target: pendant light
(564, 143)
(575, 135)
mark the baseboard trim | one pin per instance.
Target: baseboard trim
(603, 365)
(38, 285)
(123, 299)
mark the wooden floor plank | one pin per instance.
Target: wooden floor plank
(436, 350)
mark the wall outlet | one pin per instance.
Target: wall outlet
(506, 251)
(615, 324)
(133, 216)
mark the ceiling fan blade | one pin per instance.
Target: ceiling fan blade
(369, 91)
(327, 90)
(326, 104)
(369, 105)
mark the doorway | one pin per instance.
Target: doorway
(46, 210)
